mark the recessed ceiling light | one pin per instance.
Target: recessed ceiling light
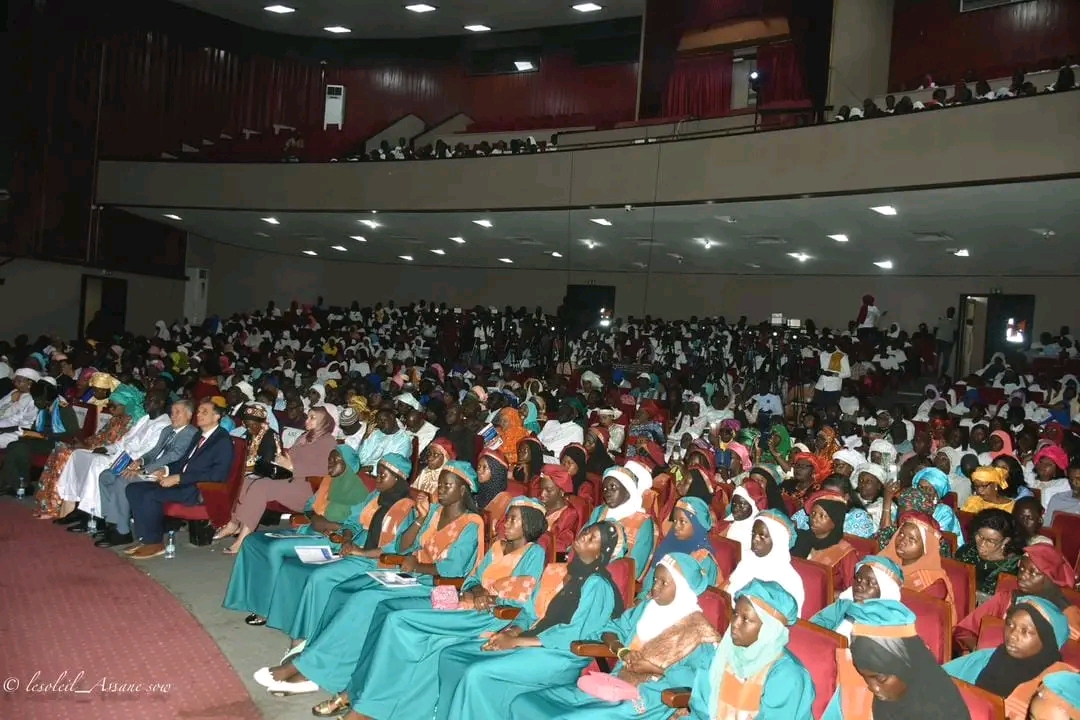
(884, 209)
(590, 243)
(438, 251)
(587, 7)
(523, 65)
(556, 254)
(271, 220)
(477, 28)
(483, 223)
(801, 257)
(173, 217)
(753, 265)
(839, 238)
(310, 252)
(337, 29)
(339, 248)
(261, 234)
(358, 238)
(706, 243)
(421, 8)
(458, 239)
(506, 260)
(279, 9)
(602, 221)
(884, 264)
(406, 257)
(962, 253)
(371, 224)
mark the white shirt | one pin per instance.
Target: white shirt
(142, 436)
(1048, 490)
(872, 315)
(832, 383)
(19, 412)
(425, 434)
(556, 435)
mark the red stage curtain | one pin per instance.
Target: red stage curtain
(700, 85)
(783, 79)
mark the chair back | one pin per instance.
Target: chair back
(87, 415)
(863, 546)
(965, 519)
(596, 485)
(716, 606)
(962, 577)
(726, 552)
(1068, 525)
(650, 500)
(494, 514)
(623, 572)
(981, 704)
(1055, 536)
(516, 488)
(949, 499)
(950, 540)
(818, 585)
(816, 647)
(933, 622)
(584, 509)
(1070, 653)
(1009, 583)
(991, 633)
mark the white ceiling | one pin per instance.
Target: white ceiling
(1001, 226)
(390, 19)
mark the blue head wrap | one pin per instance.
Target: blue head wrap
(350, 456)
(1050, 612)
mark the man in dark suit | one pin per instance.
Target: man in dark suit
(207, 460)
(173, 444)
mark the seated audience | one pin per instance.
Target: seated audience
(770, 557)
(994, 548)
(54, 422)
(876, 578)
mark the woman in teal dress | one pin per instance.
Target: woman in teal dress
(400, 657)
(622, 504)
(445, 540)
(481, 678)
(337, 508)
(752, 674)
(359, 551)
(936, 481)
(689, 534)
(659, 644)
(876, 578)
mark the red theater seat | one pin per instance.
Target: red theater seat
(816, 648)
(933, 621)
(218, 497)
(981, 704)
(716, 606)
(623, 572)
(818, 584)
(727, 554)
(863, 546)
(1068, 525)
(962, 577)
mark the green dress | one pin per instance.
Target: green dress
(400, 658)
(474, 683)
(261, 560)
(643, 543)
(343, 634)
(787, 693)
(563, 703)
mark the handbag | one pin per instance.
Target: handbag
(267, 469)
(607, 687)
(444, 597)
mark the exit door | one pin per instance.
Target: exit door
(992, 324)
(103, 309)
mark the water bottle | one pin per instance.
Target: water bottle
(91, 525)
(21, 492)
(170, 546)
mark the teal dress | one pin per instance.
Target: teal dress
(787, 694)
(395, 675)
(643, 543)
(328, 588)
(261, 558)
(474, 683)
(566, 702)
(969, 667)
(832, 616)
(357, 608)
(708, 565)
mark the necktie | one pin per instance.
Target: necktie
(202, 439)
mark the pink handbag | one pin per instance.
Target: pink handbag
(607, 687)
(444, 597)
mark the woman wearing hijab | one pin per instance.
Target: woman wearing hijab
(769, 557)
(491, 472)
(622, 504)
(125, 408)
(1000, 443)
(746, 502)
(306, 458)
(511, 431)
(824, 542)
(857, 521)
(808, 472)
(659, 642)
(868, 483)
(530, 416)
(876, 578)
(752, 674)
(482, 678)
(778, 449)
(1051, 473)
(825, 443)
(596, 445)
(439, 452)
(936, 481)
(340, 512)
(530, 460)
(1044, 572)
(889, 673)
(689, 535)
(342, 656)
(916, 548)
(1035, 632)
(563, 519)
(574, 458)
(1058, 698)
(993, 548)
(988, 485)
(769, 478)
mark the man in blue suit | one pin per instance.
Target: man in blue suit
(173, 443)
(207, 460)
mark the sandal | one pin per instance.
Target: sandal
(219, 535)
(334, 707)
(254, 620)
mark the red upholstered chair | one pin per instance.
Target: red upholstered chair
(962, 577)
(816, 648)
(965, 519)
(1009, 582)
(726, 552)
(592, 488)
(716, 606)
(981, 704)
(1068, 524)
(1055, 536)
(218, 497)
(991, 633)
(583, 507)
(89, 426)
(1070, 653)
(951, 541)
(933, 622)
(493, 514)
(950, 500)
(623, 572)
(863, 546)
(818, 584)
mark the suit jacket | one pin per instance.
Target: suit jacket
(171, 446)
(209, 463)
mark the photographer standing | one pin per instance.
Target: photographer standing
(835, 368)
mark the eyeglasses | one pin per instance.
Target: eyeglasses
(992, 542)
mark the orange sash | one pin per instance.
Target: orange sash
(551, 582)
(700, 556)
(856, 700)
(1016, 705)
(1072, 614)
(392, 521)
(831, 555)
(322, 496)
(741, 700)
(435, 543)
(499, 578)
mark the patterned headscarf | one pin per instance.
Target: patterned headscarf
(131, 398)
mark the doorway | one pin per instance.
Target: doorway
(992, 324)
(586, 307)
(103, 307)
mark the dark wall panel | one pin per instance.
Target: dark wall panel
(933, 36)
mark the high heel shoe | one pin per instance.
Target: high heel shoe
(221, 534)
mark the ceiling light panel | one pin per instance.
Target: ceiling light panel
(524, 65)
(556, 254)
(839, 238)
(438, 251)
(310, 252)
(484, 223)
(271, 220)
(339, 248)
(477, 28)
(371, 224)
(421, 8)
(506, 260)
(406, 257)
(884, 264)
(961, 253)
(358, 238)
(801, 257)
(170, 216)
(279, 9)
(601, 221)
(337, 29)
(884, 210)
(587, 7)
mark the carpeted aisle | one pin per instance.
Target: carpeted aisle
(87, 635)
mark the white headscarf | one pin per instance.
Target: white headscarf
(656, 618)
(741, 530)
(775, 566)
(851, 457)
(633, 504)
(641, 475)
(889, 591)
